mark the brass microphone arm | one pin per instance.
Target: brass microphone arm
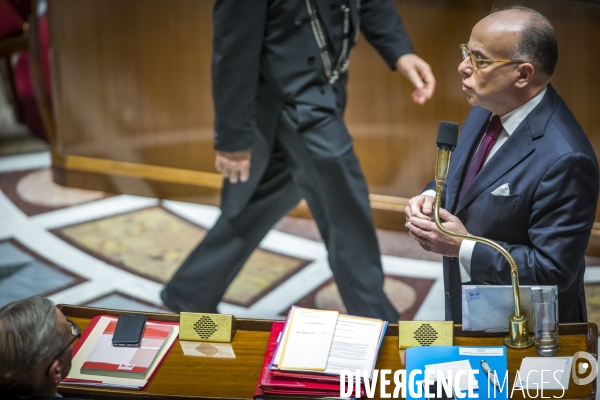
(518, 324)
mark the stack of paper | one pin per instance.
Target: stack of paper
(97, 363)
(548, 373)
(306, 354)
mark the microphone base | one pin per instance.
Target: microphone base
(508, 343)
(518, 336)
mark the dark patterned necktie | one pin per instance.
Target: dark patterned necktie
(490, 138)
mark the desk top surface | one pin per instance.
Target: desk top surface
(188, 377)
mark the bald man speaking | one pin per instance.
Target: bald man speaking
(523, 174)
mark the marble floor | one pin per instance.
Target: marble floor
(84, 247)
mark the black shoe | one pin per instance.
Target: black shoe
(167, 301)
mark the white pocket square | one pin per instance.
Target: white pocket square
(502, 190)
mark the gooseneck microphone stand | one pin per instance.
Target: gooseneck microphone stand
(518, 336)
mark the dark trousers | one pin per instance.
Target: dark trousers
(317, 164)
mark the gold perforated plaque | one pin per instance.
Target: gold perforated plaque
(425, 333)
(206, 327)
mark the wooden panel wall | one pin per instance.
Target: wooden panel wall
(395, 138)
(133, 109)
(131, 91)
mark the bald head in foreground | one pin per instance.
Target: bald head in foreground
(523, 173)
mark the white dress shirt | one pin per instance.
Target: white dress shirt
(510, 122)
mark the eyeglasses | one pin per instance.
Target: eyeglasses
(75, 332)
(475, 62)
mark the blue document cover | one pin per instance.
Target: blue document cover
(495, 357)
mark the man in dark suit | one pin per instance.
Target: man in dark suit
(279, 88)
(523, 173)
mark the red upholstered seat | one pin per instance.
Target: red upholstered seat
(13, 15)
(25, 92)
(11, 21)
(23, 7)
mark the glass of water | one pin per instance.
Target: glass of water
(545, 311)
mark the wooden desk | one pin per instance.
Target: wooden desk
(182, 377)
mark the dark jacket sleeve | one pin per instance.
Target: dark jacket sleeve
(563, 212)
(383, 28)
(432, 186)
(239, 27)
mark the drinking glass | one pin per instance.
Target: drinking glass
(545, 310)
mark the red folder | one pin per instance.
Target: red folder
(272, 383)
(303, 393)
(276, 329)
(293, 383)
(305, 376)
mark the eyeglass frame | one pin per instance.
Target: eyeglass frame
(466, 53)
(76, 333)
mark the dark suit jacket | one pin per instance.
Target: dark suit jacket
(546, 221)
(265, 55)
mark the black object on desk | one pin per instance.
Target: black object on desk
(128, 332)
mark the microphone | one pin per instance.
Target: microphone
(518, 336)
(447, 135)
(446, 142)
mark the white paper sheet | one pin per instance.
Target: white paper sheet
(308, 339)
(480, 351)
(555, 370)
(453, 366)
(487, 307)
(354, 345)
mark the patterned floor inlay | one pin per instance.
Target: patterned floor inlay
(263, 271)
(153, 243)
(38, 188)
(150, 242)
(24, 274)
(120, 301)
(35, 193)
(391, 243)
(406, 295)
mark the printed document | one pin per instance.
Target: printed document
(355, 345)
(481, 351)
(307, 339)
